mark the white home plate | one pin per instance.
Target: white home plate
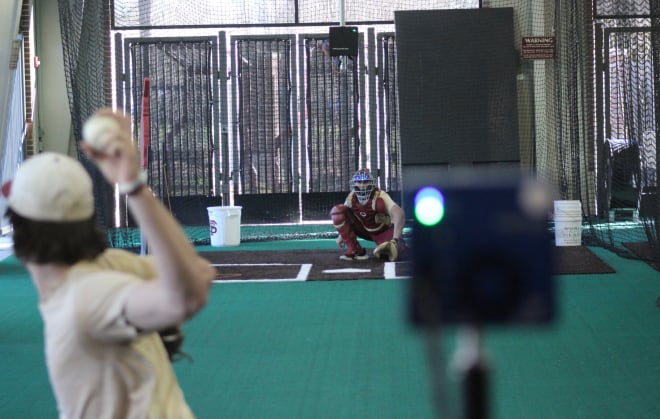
(345, 271)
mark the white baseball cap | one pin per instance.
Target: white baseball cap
(51, 187)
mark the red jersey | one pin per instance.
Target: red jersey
(374, 215)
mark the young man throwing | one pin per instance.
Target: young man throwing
(102, 308)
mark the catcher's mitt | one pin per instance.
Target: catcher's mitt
(389, 250)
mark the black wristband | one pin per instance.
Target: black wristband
(131, 188)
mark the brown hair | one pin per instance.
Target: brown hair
(44, 242)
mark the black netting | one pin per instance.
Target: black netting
(85, 47)
(626, 136)
(265, 131)
(614, 8)
(131, 14)
(390, 135)
(630, 123)
(180, 155)
(332, 147)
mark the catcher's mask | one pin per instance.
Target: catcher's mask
(362, 184)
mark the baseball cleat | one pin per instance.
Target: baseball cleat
(359, 254)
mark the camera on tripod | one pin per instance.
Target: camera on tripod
(482, 253)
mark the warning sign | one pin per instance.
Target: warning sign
(538, 48)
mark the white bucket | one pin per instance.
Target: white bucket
(225, 226)
(568, 223)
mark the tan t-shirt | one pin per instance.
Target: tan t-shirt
(99, 365)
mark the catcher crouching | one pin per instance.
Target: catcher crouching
(371, 214)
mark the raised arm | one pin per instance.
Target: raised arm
(184, 278)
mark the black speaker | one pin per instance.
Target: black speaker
(343, 41)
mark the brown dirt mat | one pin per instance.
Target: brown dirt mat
(571, 260)
(310, 265)
(325, 265)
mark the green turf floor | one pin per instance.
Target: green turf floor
(342, 349)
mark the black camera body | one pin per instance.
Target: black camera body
(482, 254)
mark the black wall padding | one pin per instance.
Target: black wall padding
(457, 91)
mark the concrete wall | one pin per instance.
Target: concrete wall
(53, 118)
(9, 23)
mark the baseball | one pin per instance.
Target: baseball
(99, 130)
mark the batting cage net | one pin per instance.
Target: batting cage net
(250, 106)
(144, 14)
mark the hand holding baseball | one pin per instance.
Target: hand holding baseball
(107, 140)
(100, 130)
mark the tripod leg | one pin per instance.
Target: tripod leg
(471, 364)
